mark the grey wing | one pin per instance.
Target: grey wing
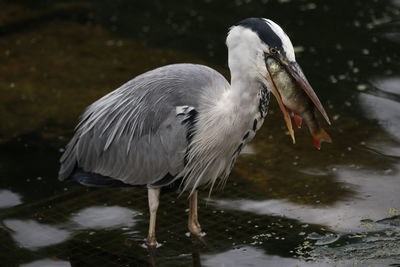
(139, 133)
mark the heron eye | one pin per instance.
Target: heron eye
(273, 50)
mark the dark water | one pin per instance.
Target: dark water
(284, 204)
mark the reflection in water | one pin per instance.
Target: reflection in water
(9, 199)
(376, 195)
(250, 256)
(47, 263)
(33, 235)
(396, 2)
(389, 150)
(389, 116)
(388, 84)
(104, 217)
(152, 256)
(197, 243)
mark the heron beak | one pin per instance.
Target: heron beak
(296, 72)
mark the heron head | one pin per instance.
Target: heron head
(251, 42)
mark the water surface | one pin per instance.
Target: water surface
(284, 204)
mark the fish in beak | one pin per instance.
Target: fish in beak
(295, 95)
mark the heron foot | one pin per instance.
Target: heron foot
(151, 242)
(195, 228)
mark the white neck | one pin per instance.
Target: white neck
(243, 81)
(244, 58)
(242, 100)
(244, 90)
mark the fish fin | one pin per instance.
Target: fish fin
(319, 137)
(298, 120)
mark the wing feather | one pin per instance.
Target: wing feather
(134, 133)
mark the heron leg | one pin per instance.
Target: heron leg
(153, 197)
(193, 223)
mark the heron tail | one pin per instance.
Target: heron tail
(96, 180)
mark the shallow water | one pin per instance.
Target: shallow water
(284, 204)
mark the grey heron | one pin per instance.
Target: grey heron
(182, 126)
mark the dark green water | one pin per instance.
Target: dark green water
(284, 204)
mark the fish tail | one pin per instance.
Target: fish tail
(320, 136)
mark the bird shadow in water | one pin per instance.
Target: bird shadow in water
(196, 242)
